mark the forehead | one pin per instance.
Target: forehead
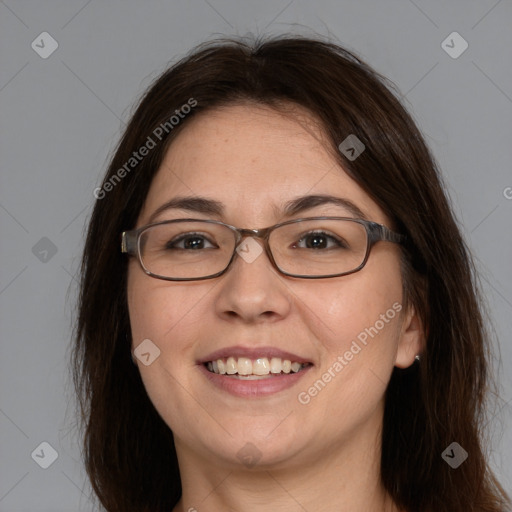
(253, 159)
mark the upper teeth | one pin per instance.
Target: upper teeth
(259, 366)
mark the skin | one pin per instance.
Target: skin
(323, 455)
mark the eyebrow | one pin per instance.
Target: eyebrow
(198, 204)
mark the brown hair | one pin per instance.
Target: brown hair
(129, 450)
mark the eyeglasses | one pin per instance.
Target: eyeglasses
(309, 248)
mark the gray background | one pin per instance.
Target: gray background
(61, 117)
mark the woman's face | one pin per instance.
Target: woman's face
(351, 330)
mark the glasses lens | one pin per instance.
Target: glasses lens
(186, 249)
(319, 247)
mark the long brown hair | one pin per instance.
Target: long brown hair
(128, 449)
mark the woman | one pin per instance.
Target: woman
(333, 361)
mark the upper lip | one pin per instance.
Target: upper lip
(252, 353)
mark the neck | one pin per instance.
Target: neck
(342, 479)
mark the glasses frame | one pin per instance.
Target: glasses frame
(130, 243)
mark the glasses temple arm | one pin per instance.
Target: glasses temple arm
(129, 242)
(384, 233)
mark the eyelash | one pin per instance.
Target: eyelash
(170, 245)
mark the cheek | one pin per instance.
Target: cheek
(145, 309)
(363, 307)
(163, 312)
(359, 333)
(168, 316)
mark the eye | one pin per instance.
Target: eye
(192, 241)
(320, 240)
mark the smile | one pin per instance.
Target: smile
(253, 369)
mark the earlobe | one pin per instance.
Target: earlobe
(412, 339)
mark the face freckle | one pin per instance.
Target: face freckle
(265, 159)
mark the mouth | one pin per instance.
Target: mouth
(253, 372)
(254, 369)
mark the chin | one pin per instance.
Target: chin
(265, 444)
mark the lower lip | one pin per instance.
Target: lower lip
(254, 388)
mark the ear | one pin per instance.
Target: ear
(412, 339)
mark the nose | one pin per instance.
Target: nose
(252, 289)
